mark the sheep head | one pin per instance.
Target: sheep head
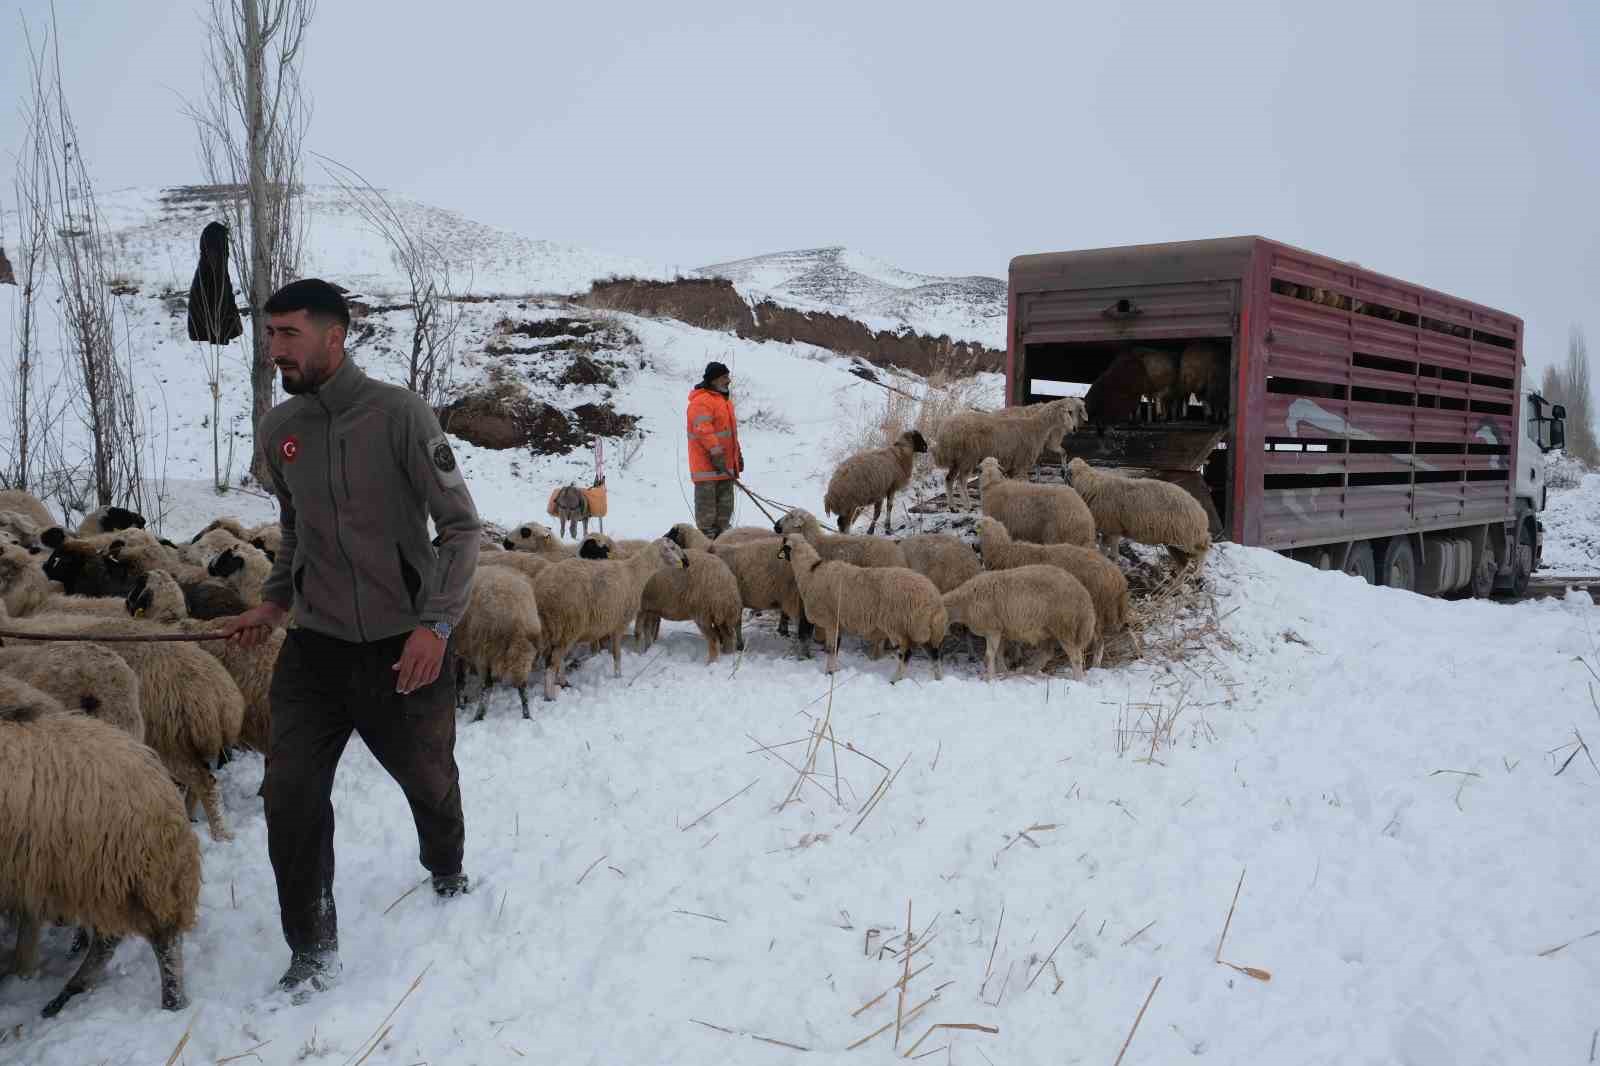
(138, 600)
(914, 440)
(593, 549)
(989, 471)
(120, 518)
(227, 564)
(671, 554)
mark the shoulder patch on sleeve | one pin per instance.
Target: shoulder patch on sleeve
(444, 461)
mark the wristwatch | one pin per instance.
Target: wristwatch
(440, 630)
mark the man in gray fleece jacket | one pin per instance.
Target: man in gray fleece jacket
(358, 467)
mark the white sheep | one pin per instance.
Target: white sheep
(877, 603)
(871, 479)
(592, 600)
(705, 592)
(1104, 580)
(942, 558)
(1016, 436)
(853, 548)
(1032, 605)
(1143, 510)
(1044, 514)
(94, 834)
(26, 504)
(90, 678)
(192, 707)
(538, 537)
(765, 581)
(500, 634)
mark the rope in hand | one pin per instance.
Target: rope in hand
(112, 638)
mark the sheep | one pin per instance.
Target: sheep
(109, 520)
(765, 581)
(1030, 604)
(244, 569)
(81, 564)
(538, 538)
(856, 549)
(871, 478)
(877, 603)
(83, 677)
(1100, 576)
(27, 505)
(20, 529)
(528, 564)
(268, 537)
(1134, 373)
(1017, 436)
(204, 595)
(156, 597)
(208, 544)
(1202, 372)
(589, 600)
(26, 591)
(706, 592)
(94, 834)
(944, 559)
(1144, 510)
(1044, 514)
(192, 707)
(500, 634)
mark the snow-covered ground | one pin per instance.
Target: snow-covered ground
(1572, 528)
(1379, 767)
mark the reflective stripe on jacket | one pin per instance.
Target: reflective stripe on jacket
(713, 435)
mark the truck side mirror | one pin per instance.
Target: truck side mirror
(1558, 412)
(1558, 431)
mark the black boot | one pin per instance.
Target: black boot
(446, 886)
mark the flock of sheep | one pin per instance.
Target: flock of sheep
(94, 731)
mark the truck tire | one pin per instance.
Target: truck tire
(1522, 561)
(1398, 567)
(1360, 564)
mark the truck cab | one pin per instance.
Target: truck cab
(1543, 428)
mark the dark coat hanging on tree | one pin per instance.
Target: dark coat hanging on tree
(213, 318)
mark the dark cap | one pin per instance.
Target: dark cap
(714, 370)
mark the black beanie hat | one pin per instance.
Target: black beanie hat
(714, 370)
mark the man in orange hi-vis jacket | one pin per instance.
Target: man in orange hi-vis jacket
(714, 456)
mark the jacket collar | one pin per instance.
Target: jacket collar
(339, 391)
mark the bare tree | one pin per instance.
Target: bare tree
(88, 306)
(32, 187)
(1571, 384)
(435, 311)
(252, 123)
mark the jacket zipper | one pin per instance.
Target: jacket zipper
(338, 538)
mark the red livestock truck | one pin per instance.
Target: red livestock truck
(1349, 419)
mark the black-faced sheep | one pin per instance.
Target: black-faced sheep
(1143, 510)
(765, 581)
(944, 559)
(871, 479)
(109, 520)
(1107, 585)
(705, 592)
(94, 834)
(1016, 436)
(1044, 514)
(878, 603)
(1031, 605)
(26, 591)
(244, 569)
(205, 596)
(500, 634)
(594, 600)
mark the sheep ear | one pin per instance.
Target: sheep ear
(53, 537)
(525, 532)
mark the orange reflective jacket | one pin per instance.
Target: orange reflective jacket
(713, 435)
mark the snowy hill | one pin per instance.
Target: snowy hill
(846, 282)
(156, 235)
(657, 881)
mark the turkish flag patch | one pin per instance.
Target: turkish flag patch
(289, 449)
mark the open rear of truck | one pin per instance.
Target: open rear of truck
(1356, 409)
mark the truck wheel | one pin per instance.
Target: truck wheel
(1522, 561)
(1360, 564)
(1399, 565)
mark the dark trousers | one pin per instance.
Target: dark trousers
(322, 689)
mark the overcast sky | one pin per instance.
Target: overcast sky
(1449, 143)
